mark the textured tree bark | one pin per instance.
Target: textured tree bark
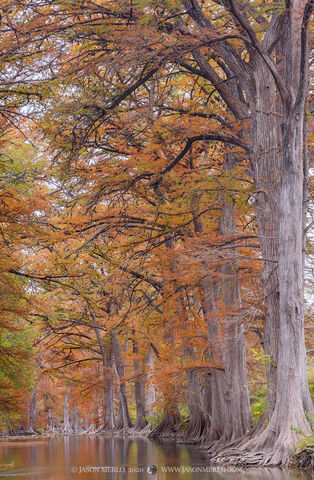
(290, 361)
(170, 424)
(108, 381)
(206, 406)
(109, 397)
(197, 420)
(109, 403)
(214, 422)
(288, 398)
(216, 354)
(230, 413)
(50, 424)
(307, 401)
(33, 404)
(124, 420)
(66, 417)
(100, 412)
(266, 164)
(32, 416)
(273, 441)
(239, 419)
(139, 387)
(150, 392)
(75, 420)
(198, 417)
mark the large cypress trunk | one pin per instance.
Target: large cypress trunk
(100, 412)
(124, 420)
(48, 413)
(150, 391)
(289, 414)
(109, 403)
(217, 376)
(50, 423)
(238, 411)
(75, 419)
(213, 419)
(32, 416)
(269, 175)
(292, 389)
(170, 425)
(266, 163)
(273, 112)
(66, 416)
(139, 388)
(107, 381)
(198, 417)
(279, 430)
(206, 405)
(33, 405)
(221, 425)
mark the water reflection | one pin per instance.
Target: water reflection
(119, 458)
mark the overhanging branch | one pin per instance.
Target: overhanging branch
(214, 137)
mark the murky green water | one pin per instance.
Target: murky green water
(95, 458)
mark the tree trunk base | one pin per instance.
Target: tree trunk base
(105, 428)
(303, 459)
(120, 427)
(229, 438)
(31, 431)
(193, 433)
(169, 427)
(140, 424)
(146, 430)
(271, 446)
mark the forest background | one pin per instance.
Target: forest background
(156, 220)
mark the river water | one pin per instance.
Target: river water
(99, 458)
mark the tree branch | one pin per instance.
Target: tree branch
(215, 137)
(235, 10)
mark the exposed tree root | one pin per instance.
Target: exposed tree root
(140, 424)
(270, 447)
(31, 431)
(146, 430)
(238, 457)
(100, 429)
(213, 446)
(169, 427)
(123, 420)
(126, 432)
(105, 428)
(193, 433)
(303, 459)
